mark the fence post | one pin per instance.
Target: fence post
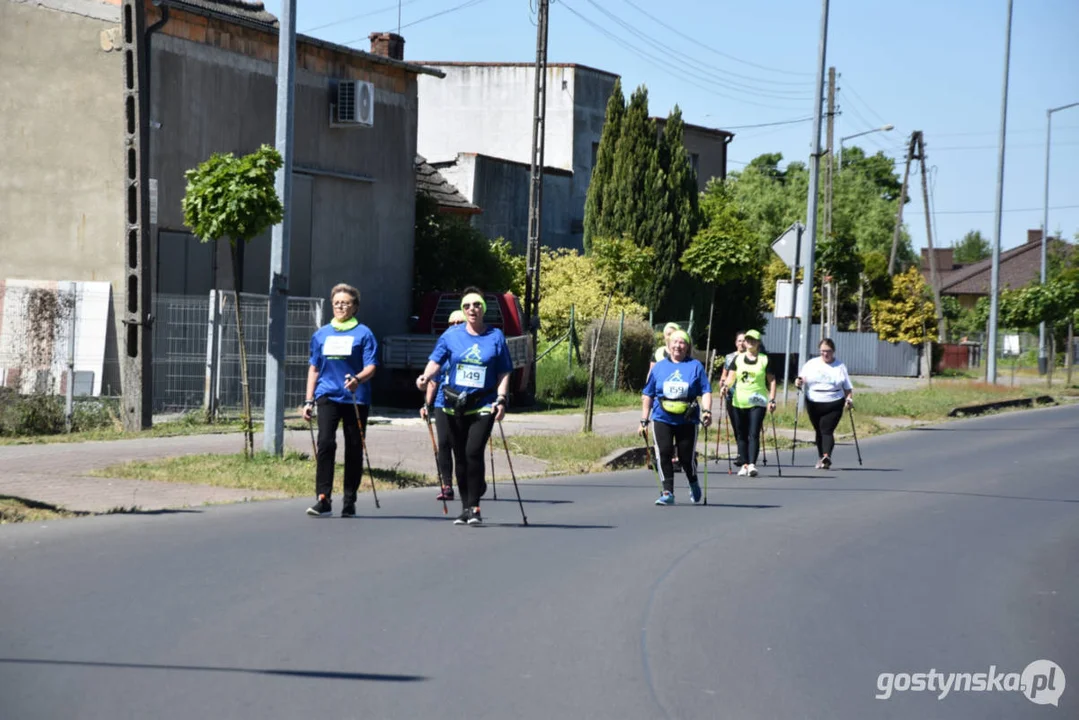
(569, 337)
(618, 350)
(208, 394)
(69, 391)
(650, 326)
(689, 330)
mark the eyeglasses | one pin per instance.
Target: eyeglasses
(476, 305)
(343, 304)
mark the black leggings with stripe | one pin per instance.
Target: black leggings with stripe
(665, 437)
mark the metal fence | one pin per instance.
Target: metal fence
(863, 353)
(196, 350)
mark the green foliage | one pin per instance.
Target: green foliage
(571, 279)
(908, 314)
(555, 381)
(1051, 303)
(626, 193)
(838, 258)
(35, 415)
(597, 213)
(972, 248)
(450, 254)
(878, 283)
(620, 264)
(724, 249)
(638, 345)
(233, 197)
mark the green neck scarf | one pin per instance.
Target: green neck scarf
(341, 326)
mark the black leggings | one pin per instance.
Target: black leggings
(747, 428)
(825, 417)
(734, 428)
(329, 415)
(445, 446)
(469, 435)
(665, 437)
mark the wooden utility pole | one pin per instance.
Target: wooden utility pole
(934, 277)
(902, 202)
(828, 300)
(535, 194)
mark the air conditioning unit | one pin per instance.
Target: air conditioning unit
(355, 104)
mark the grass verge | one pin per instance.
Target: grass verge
(16, 510)
(571, 453)
(933, 403)
(188, 425)
(293, 474)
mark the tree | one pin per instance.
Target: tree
(571, 280)
(907, 312)
(234, 198)
(626, 194)
(619, 264)
(722, 251)
(596, 211)
(972, 248)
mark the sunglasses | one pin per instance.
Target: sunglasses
(343, 304)
(477, 305)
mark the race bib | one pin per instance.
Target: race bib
(337, 345)
(674, 390)
(758, 400)
(470, 376)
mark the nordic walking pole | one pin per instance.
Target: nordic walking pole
(764, 444)
(648, 456)
(524, 518)
(438, 470)
(363, 444)
(775, 441)
(494, 486)
(314, 447)
(727, 425)
(705, 464)
(856, 448)
(794, 440)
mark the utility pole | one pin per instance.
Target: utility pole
(994, 275)
(273, 403)
(809, 247)
(828, 286)
(535, 194)
(934, 277)
(902, 202)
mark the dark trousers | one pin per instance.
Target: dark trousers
(666, 437)
(730, 414)
(445, 447)
(825, 417)
(747, 427)
(470, 434)
(329, 415)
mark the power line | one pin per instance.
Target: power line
(768, 124)
(673, 70)
(349, 19)
(463, 6)
(988, 212)
(655, 19)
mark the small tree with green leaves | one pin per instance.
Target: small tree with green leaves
(619, 264)
(234, 197)
(724, 250)
(905, 314)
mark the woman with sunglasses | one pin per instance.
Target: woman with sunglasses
(343, 359)
(475, 391)
(669, 399)
(433, 400)
(828, 391)
(754, 392)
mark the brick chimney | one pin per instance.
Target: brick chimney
(1034, 236)
(388, 44)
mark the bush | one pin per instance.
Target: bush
(22, 415)
(571, 280)
(554, 381)
(638, 345)
(95, 414)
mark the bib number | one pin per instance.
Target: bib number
(675, 390)
(470, 376)
(758, 400)
(337, 346)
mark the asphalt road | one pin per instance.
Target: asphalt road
(955, 548)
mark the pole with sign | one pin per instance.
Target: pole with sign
(788, 247)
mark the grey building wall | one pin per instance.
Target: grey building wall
(711, 152)
(591, 90)
(208, 100)
(61, 144)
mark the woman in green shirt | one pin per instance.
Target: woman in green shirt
(754, 391)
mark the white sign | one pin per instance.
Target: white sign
(786, 245)
(783, 300)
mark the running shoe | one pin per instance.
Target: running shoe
(695, 492)
(752, 470)
(666, 498)
(462, 519)
(348, 510)
(321, 509)
(474, 517)
(744, 472)
(446, 494)
(825, 462)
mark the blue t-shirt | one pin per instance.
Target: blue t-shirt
(335, 353)
(472, 363)
(681, 382)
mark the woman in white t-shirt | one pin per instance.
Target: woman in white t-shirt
(828, 391)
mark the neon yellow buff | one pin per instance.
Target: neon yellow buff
(751, 382)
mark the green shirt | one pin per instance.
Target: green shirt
(751, 381)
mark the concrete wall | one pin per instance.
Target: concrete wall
(488, 109)
(591, 92)
(207, 99)
(711, 152)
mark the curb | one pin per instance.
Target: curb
(1003, 404)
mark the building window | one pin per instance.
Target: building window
(695, 162)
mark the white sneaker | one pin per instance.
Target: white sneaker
(752, 470)
(744, 472)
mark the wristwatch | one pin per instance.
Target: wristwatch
(309, 402)
(501, 400)
(644, 423)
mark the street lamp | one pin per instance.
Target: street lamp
(882, 128)
(1043, 352)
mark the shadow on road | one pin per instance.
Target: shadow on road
(323, 674)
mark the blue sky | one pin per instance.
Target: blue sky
(930, 65)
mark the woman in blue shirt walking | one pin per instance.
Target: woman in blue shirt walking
(343, 359)
(473, 395)
(669, 399)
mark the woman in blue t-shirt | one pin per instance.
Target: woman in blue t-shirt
(669, 398)
(343, 359)
(433, 399)
(473, 395)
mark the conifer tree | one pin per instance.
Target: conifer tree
(596, 213)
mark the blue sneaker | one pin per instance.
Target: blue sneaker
(695, 492)
(665, 499)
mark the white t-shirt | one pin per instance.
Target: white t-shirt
(825, 382)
